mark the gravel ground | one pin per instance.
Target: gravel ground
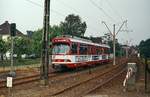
(115, 88)
(35, 89)
(56, 84)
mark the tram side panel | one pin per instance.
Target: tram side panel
(70, 54)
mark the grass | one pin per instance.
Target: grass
(23, 62)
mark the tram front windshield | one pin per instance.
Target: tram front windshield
(60, 49)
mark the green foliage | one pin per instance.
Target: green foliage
(23, 62)
(55, 31)
(37, 42)
(118, 48)
(3, 47)
(96, 39)
(108, 39)
(73, 26)
(22, 45)
(144, 48)
(37, 38)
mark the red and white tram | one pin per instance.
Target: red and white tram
(73, 52)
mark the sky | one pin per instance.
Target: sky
(28, 15)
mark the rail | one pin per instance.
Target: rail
(119, 68)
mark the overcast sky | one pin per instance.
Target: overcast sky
(28, 15)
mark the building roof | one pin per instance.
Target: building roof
(5, 29)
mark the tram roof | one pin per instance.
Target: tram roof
(81, 40)
(88, 42)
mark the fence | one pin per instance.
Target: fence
(147, 76)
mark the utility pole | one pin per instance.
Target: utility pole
(126, 52)
(45, 55)
(127, 49)
(12, 52)
(113, 34)
(114, 46)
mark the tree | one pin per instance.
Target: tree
(96, 39)
(73, 26)
(55, 31)
(37, 42)
(3, 48)
(22, 45)
(144, 48)
(118, 47)
(37, 38)
(107, 38)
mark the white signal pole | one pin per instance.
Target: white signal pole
(113, 34)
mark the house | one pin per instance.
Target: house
(29, 33)
(5, 31)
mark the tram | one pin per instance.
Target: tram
(73, 52)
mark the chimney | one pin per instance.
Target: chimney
(6, 22)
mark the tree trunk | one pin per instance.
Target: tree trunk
(5, 56)
(2, 58)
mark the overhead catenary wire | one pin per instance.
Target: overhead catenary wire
(56, 12)
(70, 7)
(114, 10)
(119, 16)
(73, 9)
(37, 4)
(102, 10)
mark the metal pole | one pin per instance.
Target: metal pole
(45, 57)
(12, 51)
(146, 75)
(114, 39)
(114, 46)
(126, 52)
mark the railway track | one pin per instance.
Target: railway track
(23, 80)
(93, 83)
(35, 77)
(58, 79)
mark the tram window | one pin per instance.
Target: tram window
(83, 50)
(106, 51)
(97, 51)
(60, 49)
(74, 48)
(100, 51)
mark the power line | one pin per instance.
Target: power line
(115, 11)
(118, 14)
(34, 3)
(101, 9)
(62, 3)
(60, 14)
(70, 7)
(37, 4)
